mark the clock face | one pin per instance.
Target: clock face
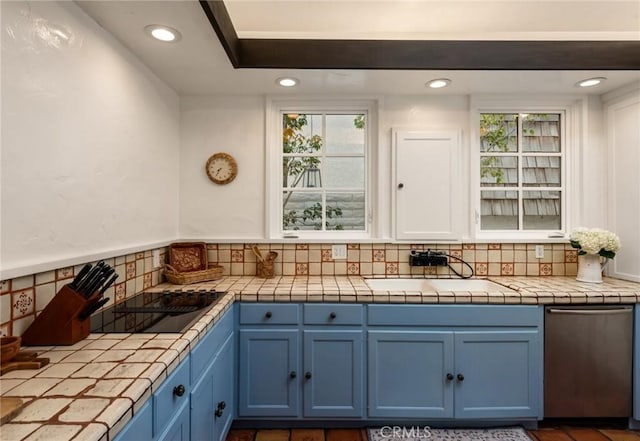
(221, 168)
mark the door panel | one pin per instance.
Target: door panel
(333, 359)
(267, 358)
(408, 374)
(502, 374)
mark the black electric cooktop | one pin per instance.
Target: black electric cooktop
(147, 312)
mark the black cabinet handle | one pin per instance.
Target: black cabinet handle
(179, 390)
(222, 405)
(307, 375)
(218, 412)
(293, 374)
(268, 314)
(449, 376)
(401, 185)
(460, 377)
(333, 315)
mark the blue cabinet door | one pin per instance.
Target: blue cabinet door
(408, 374)
(178, 428)
(498, 374)
(333, 373)
(268, 368)
(224, 379)
(140, 426)
(202, 408)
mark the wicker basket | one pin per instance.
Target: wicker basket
(184, 278)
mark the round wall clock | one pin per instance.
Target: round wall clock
(222, 168)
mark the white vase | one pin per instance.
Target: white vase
(590, 268)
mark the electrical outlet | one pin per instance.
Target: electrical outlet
(539, 251)
(338, 252)
(155, 254)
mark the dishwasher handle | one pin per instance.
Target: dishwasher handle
(608, 311)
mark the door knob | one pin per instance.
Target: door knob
(460, 377)
(449, 376)
(179, 390)
(307, 375)
(293, 374)
(400, 186)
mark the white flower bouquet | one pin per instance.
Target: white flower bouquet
(595, 241)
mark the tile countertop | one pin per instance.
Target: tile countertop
(90, 390)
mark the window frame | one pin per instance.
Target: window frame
(274, 190)
(570, 130)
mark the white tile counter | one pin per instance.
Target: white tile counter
(90, 390)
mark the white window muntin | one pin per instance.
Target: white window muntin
(275, 110)
(520, 233)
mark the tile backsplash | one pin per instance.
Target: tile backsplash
(21, 299)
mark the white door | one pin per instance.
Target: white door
(427, 184)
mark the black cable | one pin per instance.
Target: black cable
(456, 272)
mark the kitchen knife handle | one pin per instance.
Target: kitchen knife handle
(90, 309)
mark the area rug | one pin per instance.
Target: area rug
(425, 433)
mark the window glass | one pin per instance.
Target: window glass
(521, 178)
(324, 171)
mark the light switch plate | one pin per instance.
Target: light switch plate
(338, 252)
(539, 251)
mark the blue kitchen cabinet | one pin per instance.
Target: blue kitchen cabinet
(462, 362)
(497, 374)
(333, 373)
(408, 374)
(178, 428)
(224, 391)
(213, 378)
(169, 400)
(268, 371)
(140, 428)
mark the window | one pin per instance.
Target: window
(521, 172)
(320, 171)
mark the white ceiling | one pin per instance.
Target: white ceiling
(197, 64)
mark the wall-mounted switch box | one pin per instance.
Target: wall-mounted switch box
(539, 251)
(428, 258)
(155, 255)
(338, 252)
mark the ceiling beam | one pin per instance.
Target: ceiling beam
(418, 54)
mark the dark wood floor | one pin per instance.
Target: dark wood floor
(548, 431)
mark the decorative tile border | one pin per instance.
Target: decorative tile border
(27, 296)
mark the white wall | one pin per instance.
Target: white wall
(623, 210)
(231, 124)
(90, 141)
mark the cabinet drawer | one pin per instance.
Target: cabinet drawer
(333, 314)
(269, 313)
(454, 315)
(209, 346)
(170, 396)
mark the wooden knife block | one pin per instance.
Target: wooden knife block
(58, 323)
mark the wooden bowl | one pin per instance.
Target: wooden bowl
(9, 347)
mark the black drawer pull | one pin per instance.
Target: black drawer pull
(293, 374)
(333, 315)
(460, 377)
(449, 376)
(179, 390)
(268, 314)
(307, 375)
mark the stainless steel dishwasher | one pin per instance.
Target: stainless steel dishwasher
(588, 361)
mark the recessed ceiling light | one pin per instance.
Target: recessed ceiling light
(287, 82)
(590, 82)
(163, 33)
(439, 83)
